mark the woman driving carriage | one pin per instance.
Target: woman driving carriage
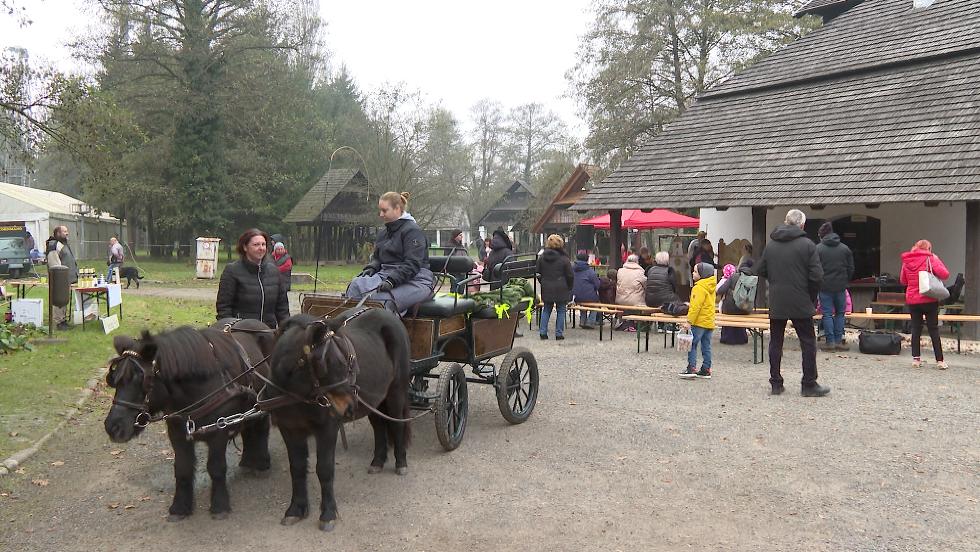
(398, 272)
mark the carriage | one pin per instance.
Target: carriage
(454, 342)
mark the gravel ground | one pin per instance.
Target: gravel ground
(620, 454)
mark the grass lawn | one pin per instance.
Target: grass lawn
(36, 387)
(182, 273)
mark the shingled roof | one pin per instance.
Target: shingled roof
(877, 106)
(341, 195)
(574, 189)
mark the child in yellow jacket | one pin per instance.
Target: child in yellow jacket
(701, 321)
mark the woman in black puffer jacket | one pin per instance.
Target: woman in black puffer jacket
(500, 248)
(557, 280)
(661, 288)
(251, 286)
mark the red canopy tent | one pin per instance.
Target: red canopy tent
(636, 219)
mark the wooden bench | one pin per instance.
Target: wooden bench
(754, 324)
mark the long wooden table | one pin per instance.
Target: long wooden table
(755, 324)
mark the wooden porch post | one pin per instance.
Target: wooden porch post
(615, 238)
(972, 270)
(758, 244)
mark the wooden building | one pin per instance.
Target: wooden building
(509, 213)
(557, 218)
(871, 121)
(340, 212)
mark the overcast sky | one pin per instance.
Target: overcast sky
(455, 52)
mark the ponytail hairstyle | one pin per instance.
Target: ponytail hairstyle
(395, 199)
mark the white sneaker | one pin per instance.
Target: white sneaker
(942, 365)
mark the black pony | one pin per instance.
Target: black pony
(326, 370)
(168, 373)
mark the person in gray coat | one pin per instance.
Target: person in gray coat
(59, 253)
(792, 267)
(838, 269)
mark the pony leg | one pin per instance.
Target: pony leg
(217, 469)
(326, 446)
(380, 443)
(298, 451)
(184, 461)
(255, 445)
(400, 433)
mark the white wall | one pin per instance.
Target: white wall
(902, 224)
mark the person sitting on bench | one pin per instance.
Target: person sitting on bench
(398, 274)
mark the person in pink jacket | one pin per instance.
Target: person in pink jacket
(921, 258)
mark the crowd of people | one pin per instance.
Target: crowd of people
(802, 276)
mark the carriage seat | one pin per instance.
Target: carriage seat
(444, 307)
(457, 264)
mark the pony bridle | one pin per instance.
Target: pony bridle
(143, 417)
(341, 344)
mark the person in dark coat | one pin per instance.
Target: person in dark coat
(792, 267)
(607, 287)
(251, 287)
(398, 273)
(706, 254)
(838, 269)
(645, 260)
(59, 253)
(585, 289)
(556, 277)
(500, 248)
(661, 282)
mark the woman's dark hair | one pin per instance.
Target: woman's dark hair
(247, 237)
(747, 247)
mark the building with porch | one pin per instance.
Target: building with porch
(509, 212)
(871, 121)
(340, 213)
(558, 218)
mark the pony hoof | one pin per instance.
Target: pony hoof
(290, 520)
(375, 469)
(328, 526)
(219, 515)
(173, 518)
(402, 470)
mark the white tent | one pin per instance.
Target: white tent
(42, 210)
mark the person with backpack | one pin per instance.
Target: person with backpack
(746, 299)
(838, 269)
(792, 267)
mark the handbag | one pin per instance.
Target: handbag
(879, 343)
(930, 285)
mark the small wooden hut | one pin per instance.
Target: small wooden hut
(558, 219)
(508, 213)
(339, 213)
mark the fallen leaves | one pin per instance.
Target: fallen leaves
(117, 452)
(40, 482)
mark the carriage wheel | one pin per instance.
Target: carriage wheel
(452, 406)
(517, 385)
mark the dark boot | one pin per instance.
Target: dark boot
(815, 390)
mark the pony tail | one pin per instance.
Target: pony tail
(405, 196)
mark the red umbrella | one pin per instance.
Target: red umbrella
(636, 219)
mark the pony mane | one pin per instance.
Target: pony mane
(188, 353)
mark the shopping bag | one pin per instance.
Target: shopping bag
(684, 342)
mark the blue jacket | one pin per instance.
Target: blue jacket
(586, 288)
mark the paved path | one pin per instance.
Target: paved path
(620, 454)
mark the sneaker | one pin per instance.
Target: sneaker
(942, 365)
(559, 338)
(631, 329)
(544, 336)
(843, 347)
(815, 390)
(916, 362)
(688, 373)
(703, 373)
